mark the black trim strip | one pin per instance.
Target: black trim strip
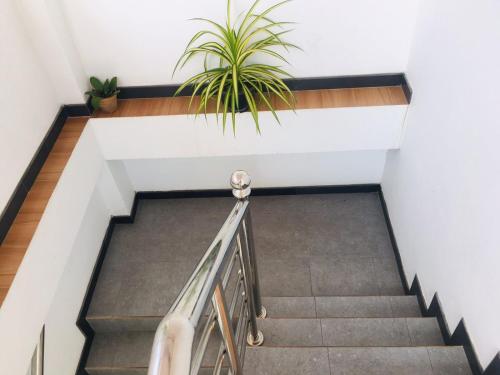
(16, 200)
(327, 189)
(494, 367)
(394, 243)
(297, 84)
(81, 321)
(460, 336)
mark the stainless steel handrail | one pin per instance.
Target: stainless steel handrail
(172, 352)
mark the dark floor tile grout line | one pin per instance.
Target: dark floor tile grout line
(329, 361)
(408, 330)
(311, 281)
(315, 307)
(430, 361)
(393, 318)
(443, 347)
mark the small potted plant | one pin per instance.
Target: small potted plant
(103, 94)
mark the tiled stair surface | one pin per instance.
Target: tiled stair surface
(331, 288)
(306, 335)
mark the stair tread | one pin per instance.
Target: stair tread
(357, 361)
(132, 349)
(286, 307)
(342, 306)
(431, 360)
(351, 332)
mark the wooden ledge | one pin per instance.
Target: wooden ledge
(307, 99)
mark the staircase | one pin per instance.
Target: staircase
(330, 283)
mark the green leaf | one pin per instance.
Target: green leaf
(113, 84)
(96, 102)
(96, 83)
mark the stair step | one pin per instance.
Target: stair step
(445, 360)
(287, 307)
(124, 323)
(140, 371)
(342, 307)
(119, 352)
(124, 353)
(347, 332)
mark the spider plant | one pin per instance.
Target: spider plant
(231, 77)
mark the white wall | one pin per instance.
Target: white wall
(28, 101)
(442, 187)
(311, 169)
(47, 29)
(141, 42)
(313, 147)
(51, 281)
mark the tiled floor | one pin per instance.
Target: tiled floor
(326, 245)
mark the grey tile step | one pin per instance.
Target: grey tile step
(347, 332)
(356, 361)
(287, 307)
(124, 323)
(342, 307)
(329, 276)
(140, 371)
(129, 352)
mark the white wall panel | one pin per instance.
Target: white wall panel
(442, 187)
(141, 41)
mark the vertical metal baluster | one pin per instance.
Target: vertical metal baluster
(255, 337)
(248, 234)
(226, 329)
(240, 181)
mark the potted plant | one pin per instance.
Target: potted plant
(232, 79)
(103, 94)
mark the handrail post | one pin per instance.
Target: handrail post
(240, 181)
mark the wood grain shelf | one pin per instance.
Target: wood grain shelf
(310, 99)
(19, 236)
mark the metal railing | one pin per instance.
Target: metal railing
(202, 307)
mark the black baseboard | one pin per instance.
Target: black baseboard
(460, 337)
(494, 367)
(81, 321)
(294, 190)
(394, 243)
(296, 84)
(17, 198)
